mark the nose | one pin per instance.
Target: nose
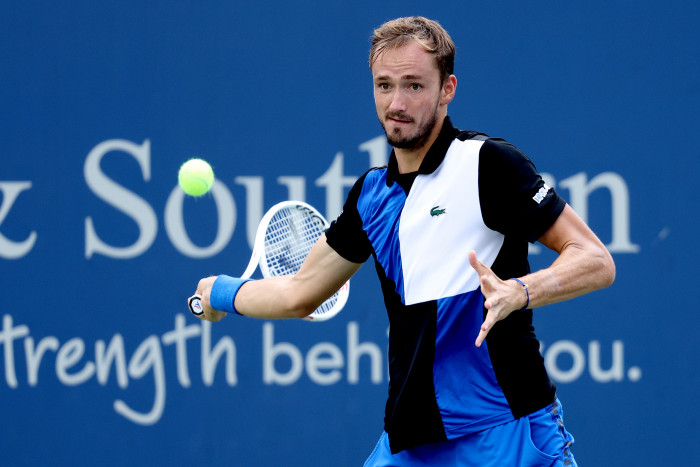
(397, 102)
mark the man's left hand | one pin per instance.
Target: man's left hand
(502, 297)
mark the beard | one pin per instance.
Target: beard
(413, 141)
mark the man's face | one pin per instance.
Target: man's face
(407, 93)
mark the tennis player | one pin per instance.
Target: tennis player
(448, 223)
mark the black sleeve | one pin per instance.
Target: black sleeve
(514, 199)
(346, 234)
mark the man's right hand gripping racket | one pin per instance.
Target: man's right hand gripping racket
(285, 235)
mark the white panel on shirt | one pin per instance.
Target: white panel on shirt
(435, 249)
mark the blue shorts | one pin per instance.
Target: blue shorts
(536, 440)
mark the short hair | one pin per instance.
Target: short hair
(428, 33)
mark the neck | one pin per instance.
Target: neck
(409, 160)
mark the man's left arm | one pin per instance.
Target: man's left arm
(583, 265)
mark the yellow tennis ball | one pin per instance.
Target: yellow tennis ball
(195, 177)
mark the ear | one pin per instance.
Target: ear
(449, 87)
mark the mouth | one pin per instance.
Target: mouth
(399, 119)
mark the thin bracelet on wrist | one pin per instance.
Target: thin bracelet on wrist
(527, 293)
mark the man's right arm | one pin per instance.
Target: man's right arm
(324, 271)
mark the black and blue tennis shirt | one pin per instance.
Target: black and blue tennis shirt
(471, 192)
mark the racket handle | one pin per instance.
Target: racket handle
(195, 304)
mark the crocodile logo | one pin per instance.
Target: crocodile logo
(436, 211)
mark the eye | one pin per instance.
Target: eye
(383, 86)
(416, 87)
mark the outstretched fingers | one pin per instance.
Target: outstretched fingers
(490, 285)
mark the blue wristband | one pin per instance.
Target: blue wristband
(527, 293)
(223, 293)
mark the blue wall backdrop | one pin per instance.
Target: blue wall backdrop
(100, 361)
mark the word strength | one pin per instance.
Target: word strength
(351, 362)
(73, 364)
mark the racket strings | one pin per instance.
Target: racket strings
(327, 305)
(289, 236)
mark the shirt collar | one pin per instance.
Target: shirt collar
(433, 158)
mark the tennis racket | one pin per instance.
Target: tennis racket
(285, 235)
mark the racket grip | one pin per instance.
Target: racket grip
(195, 304)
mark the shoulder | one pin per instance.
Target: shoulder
(501, 149)
(368, 181)
(495, 149)
(497, 156)
(501, 159)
